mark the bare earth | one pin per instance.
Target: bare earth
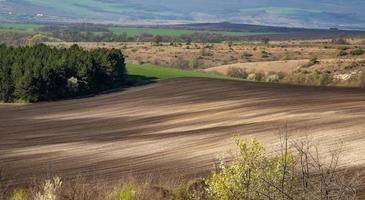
(173, 126)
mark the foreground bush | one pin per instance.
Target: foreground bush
(252, 174)
(50, 189)
(18, 194)
(124, 192)
(41, 73)
(297, 172)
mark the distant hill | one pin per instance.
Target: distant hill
(226, 26)
(343, 14)
(280, 32)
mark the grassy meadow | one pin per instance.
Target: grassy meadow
(19, 27)
(156, 72)
(132, 31)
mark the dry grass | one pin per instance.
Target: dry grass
(220, 54)
(287, 66)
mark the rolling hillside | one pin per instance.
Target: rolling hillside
(175, 125)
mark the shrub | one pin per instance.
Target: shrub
(265, 54)
(343, 53)
(80, 188)
(325, 79)
(230, 44)
(251, 174)
(180, 63)
(194, 63)
(362, 78)
(265, 40)
(312, 61)
(157, 39)
(237, 72)
(125, 192)
(286, 57)
(273, 78)
(281, 75)
(50, 189)
(251, 77)
(341, 41)
(73, 85)
(256, 76)
(246, 55)
(296, 172)
(205, 52)
(209, 46)
(357, 52)
(181, 191)
(313, 78)
(18, 194)
(259, 76)
(344, 48)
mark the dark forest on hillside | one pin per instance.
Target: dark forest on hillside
(42, 73)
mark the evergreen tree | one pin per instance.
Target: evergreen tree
(40, 72)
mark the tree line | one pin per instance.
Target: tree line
(42, 73)
(75, 36)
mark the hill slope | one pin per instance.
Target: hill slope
(173, 125)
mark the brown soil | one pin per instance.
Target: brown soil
(173, 127)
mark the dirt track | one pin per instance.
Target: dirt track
(173, 125)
